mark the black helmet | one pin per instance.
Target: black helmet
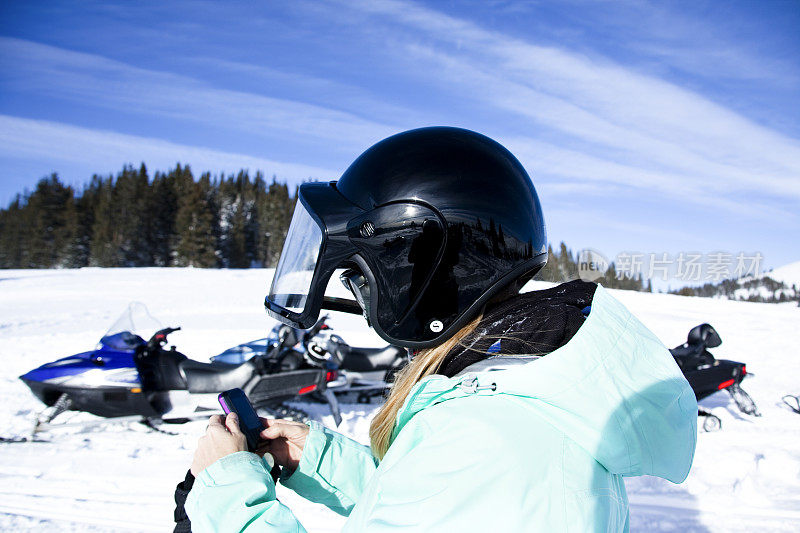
(430, 224)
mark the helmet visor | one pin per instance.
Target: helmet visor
(295, 272)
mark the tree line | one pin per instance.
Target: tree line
(173, 219)
(563, 266)
(131, 220)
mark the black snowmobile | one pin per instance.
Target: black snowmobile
(364, 373)
(128, 378)
(708, 375)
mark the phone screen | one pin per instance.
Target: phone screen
(236, 401)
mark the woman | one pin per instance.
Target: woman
(518, 412)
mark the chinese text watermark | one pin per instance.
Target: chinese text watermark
(683, 266)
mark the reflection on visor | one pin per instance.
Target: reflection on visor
(292, 280)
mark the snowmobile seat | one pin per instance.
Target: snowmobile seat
(216, 377)
(372, 359)
(692, 357)
(687, 350)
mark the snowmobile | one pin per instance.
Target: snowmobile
(128, 378)
(364, 372)
(708, 375)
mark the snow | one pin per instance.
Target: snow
(118, 477)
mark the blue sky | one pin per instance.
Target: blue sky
(646, 126)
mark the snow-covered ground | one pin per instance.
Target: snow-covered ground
(746, 477)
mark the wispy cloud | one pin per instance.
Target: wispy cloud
(574, 120)
(699, 44)
(658, 135)
(581, 174)
(22, 138)
(324, 91)
(96, 80)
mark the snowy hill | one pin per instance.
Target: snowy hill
(778, 285)
(788, 274)
(781, 285)
(121, 477)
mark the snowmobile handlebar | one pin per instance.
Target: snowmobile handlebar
(159, 338)
(316, 328)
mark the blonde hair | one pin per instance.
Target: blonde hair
(425, 363)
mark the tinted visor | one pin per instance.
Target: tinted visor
(295, 272)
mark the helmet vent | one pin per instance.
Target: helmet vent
(367, 229)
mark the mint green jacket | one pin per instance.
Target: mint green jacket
(540, 446)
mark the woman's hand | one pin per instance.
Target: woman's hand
(285, 440)
(223, 437)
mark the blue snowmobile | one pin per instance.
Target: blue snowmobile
(126, 377)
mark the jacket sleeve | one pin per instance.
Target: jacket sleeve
(333, 471)
(237, 493)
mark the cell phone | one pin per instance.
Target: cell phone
(236, 401)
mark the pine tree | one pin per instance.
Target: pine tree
(275, 217)
(130, 198)
(79, 249)
(53, 222)
(105, 249)
(550, 270)
(566, 264)
(66, 253)
(609, 279)
(162, 211)
(12, 235)
(235, 238)
(257, 231)
(252, 228)
(194, 221)
(140, 252)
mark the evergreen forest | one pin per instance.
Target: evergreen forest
(135, 220)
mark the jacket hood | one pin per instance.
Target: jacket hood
(614, 389)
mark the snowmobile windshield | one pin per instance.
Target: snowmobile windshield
(131, 327)
(295, 272)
